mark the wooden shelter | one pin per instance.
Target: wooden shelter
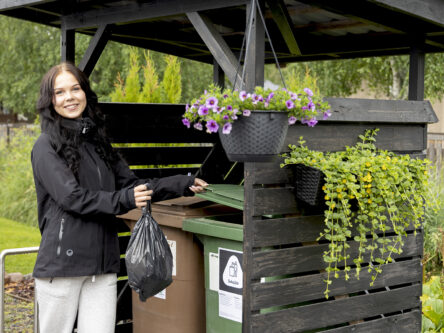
(212, 31)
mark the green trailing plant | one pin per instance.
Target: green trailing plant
(390, 192)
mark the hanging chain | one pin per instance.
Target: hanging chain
(271, 44)
(246, 40)
(246, 36)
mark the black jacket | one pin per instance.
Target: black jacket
(77, 218)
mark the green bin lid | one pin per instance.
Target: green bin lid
(225, 194)
(212, 227)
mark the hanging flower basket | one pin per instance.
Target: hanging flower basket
(253, 124)
(308, 183)
(257, 138)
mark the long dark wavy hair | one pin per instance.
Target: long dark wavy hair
(66, 139)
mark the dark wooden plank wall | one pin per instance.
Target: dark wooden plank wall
(283, 265)
(198, 153)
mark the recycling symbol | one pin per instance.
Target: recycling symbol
(232, 275)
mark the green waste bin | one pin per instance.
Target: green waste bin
(222, 245)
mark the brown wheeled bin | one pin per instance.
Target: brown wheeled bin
(180, 308)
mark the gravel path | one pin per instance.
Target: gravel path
(19, 307)
(19, 315)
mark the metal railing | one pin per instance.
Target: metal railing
(3, 256)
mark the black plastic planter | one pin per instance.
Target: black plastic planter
(257, 138)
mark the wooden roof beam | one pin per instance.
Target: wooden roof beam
(95, 49)
(380, 13)
(144, 11)
(283, 20)
(13, 4)
(217, 46)
(432, 10)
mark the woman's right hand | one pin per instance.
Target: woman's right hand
(142, 195)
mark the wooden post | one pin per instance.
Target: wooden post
(254, 76)
(248, 220)
(218, 75)
(67, 44)
(416, 74)
(255, 51)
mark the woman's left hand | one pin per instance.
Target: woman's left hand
(199, 185)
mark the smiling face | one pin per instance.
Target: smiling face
(69, 99)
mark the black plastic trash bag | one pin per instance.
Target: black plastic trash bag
(149, 261)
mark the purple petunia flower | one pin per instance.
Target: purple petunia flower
(292, 120)
(186, 108)
(218, 109)
(290, 104)
(226, 117)
(243, 95)
(326, 114)
(225, 96)
(229, 108)
(308, 91)
(211, 102)
(312, 122)
(246, 113)
(198, 126)
(234, 117)
(212, 126)
(311, 106)
(186, 122)
(304, 120)
(270, 96)
(255, 98)
(227, 128)
(203, 111)
(293, 96)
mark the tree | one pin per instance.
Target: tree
(386, 77)
(29, 50)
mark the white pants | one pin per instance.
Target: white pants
(94, 297)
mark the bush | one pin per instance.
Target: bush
(432, 306)
(17, 191)
(434, 229)
(146, 88)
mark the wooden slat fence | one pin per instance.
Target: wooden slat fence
(283, 261)
(435, 146)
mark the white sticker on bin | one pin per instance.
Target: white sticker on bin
(173, 247)
(214, 271)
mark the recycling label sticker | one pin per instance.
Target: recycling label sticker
(230, 284)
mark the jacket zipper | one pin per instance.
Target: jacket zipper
(100, 175)
(59, 246)
(97, 167)
(102, 259)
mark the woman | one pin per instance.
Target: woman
(81, 185)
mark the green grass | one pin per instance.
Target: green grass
(17, 235)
